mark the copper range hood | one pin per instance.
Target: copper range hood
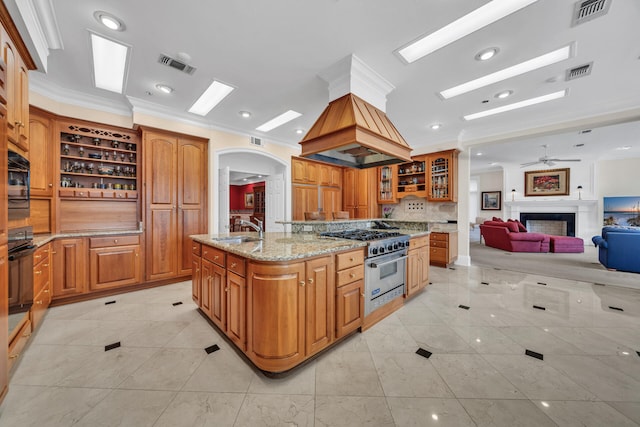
(351, 132)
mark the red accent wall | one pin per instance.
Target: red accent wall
(236, 195)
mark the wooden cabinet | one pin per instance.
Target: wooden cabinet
(41, 154)
(444, 248)
(236, 302)
(70, 262)
(349, 292)
(114, 262)
(41, 284)
(3, 182)
(259, 203)
(417, 265)
(359, 192)
(316, 186)
(287, 312)
(442, 168)
(196, 278)
(304, 199)
(17, 90)
(304, 171)
(387, 177)
(4, 319)
(412, 178)
(176, 180)
(330, 176)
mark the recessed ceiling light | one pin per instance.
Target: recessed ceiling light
(493, 164)
(211, 97)
(278, 121)
(478, 154)
(299, 131)
(473, 21)
(108, 20)
(485, 54)
(521, 104)
(436, 126)
(624, 147)
(504, 94)
(245, 114)
(164, 88)
(506, 73)
(109, 63)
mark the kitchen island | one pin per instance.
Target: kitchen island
(283, 298)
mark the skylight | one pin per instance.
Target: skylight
(278, 121)
(473, 21)
(521, 104)
(109, 63)
(211, 97)
(506, 73)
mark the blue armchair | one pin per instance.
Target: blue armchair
(619, 248)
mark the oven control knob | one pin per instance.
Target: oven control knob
(389, 247)
(401, 244)
(395, 246)
(381, 249)
(374, 251)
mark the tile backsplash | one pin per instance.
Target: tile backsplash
(413, 208)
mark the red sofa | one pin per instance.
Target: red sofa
(507, 236)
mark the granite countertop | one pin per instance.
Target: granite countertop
(279, 246)
(43, 239)
(287, 246)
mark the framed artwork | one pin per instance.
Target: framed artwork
(248, 200)
(491, 200)
(623, 211)
(550, 182)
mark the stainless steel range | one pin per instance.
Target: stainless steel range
(385, 268)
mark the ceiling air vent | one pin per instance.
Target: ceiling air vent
(589, 9)
(257, 141)
(174, 63)
(577, 72)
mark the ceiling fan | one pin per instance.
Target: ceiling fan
(548, 161)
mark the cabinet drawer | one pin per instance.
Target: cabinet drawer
(18, 343)
(349, 275)
(418, 242)
(41, 275)
(349, 259)
(40, 304)
(105, 242)
(41, 253)
(214, 255)
(236, 264)
(439, 244)
(438, 254)
(196, 248)
(442, 237)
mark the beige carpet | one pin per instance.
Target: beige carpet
(583, 267)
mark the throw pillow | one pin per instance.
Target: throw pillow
(521, 227)
(497, 219)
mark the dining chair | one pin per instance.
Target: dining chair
(315, 216)
(341, 215)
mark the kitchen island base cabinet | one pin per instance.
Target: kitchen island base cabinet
(444, 248)
(349, 308)
(236, 299)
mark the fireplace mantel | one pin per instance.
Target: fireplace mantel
(586, 212)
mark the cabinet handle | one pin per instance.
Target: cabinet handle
(352, 275)
(362, 294)
(226, 289)
(45, 265)
(205, 252)
(37, 272)
(350, 259)
(233, 265)
(82, 193)
(302, 283)
(216, 257)
(38, 256)
(115, 240)
(50, 185)
(39, 302)
(14, 356)
(193, 248)
(46, 291)
(26, 335)
(310, 281)
(197, 270)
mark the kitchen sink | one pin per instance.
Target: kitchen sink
(236, 239)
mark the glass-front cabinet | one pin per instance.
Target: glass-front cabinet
(387, 176)
(442, 171)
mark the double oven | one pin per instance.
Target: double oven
(385, 264)
(21, 247)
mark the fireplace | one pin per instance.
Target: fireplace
(558, 223)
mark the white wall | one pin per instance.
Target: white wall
(490, 181)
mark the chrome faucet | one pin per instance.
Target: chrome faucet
(258, 227)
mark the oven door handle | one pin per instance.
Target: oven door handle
(376, 265)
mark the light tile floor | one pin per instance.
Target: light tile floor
(478, 373)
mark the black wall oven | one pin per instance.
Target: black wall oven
(21, 249)
(18, 189)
